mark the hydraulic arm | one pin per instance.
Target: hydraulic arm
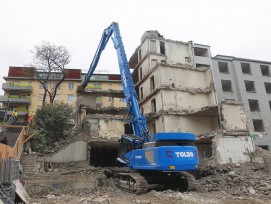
(137, 120)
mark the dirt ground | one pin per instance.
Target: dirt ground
(226, 184)
(117, 196)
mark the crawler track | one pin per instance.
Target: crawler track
(131, 182)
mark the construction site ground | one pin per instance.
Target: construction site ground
(111, 195)
(226, 184)
(230, 184)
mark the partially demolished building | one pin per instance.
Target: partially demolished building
(174, 84)
(175, 89)
(174, 81)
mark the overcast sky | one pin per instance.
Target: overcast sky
(240, 28)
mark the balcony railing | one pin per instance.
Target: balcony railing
(26, 87)
(15, 99)
(94, 87)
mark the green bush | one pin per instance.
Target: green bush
(53, 123)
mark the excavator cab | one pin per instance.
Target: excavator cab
(127, 144)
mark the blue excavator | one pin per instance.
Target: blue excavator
(166, 158)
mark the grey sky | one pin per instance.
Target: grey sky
(234, 27)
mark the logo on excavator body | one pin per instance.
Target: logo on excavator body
(168, 153)
(184, 154)
(124, 79)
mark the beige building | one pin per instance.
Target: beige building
(26, 93)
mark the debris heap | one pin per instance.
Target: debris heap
(252, 178)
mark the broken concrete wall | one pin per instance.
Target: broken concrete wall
(91, 126)
(76, 151)
(104, 127)
(149, 63)
(182, 78)
(204, 151)
(233, 116)
(232, 149)
(180, 101)
(89, 100)
(174, 50)
(60, 183)
(174, 53)
(179, 78)
(196, 125)
(143, 51)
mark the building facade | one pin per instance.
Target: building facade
(26, 93)
(247, 81)
(100, 84)
(174, 83)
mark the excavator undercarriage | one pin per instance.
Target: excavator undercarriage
(138, 183)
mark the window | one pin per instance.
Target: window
(110, 87)
(202, 52)
(265, 70)
(57, 97)
(154, 128)
(253, 105)
(266, 147)
(258, 125)
(223, 67)
(163, 61)
(139, 54)
(110, 98)
(99, 104)
(245, 68)
(269, 104)
(162, 47)
(97, 86)
(46, 85)
(153, 46)
(140, 73)
(14, 95)
(71, 86)
(152, 83)
(267, 87)
(187, 59)
(202, 65)
(40, 97)
(250, 86)
(153, 105)
(12, 107)
(122, 99)
(58, 85)
(70, 98)
(141, 93)
(226, 85)
(98, 99)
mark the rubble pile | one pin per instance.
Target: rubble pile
(251, 178)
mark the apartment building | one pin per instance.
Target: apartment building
(102, 91)
(247, 81)
(174, 83)
(26, 93)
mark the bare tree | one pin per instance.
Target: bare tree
(50, 61)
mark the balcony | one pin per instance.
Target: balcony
(15, 99)
(25, 87)
(94, 87)
(21, 112)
